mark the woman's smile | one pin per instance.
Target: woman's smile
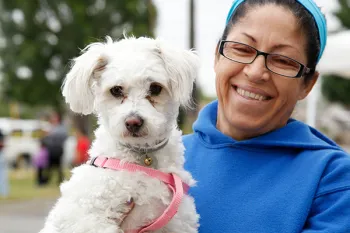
(250, 101)
(250, 94)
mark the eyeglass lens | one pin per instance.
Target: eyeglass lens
(246, 54)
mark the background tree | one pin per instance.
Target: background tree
(334, 87)
(41, 36)
(337, 89)
(343, 13)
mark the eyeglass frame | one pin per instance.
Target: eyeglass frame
(302, 71)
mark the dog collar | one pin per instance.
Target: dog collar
(174, 182)
(145, 152)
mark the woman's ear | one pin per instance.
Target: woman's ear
(308, 86)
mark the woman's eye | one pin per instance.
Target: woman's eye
(242, 50)
(283, 61)
(287, 62)
(117, 91)
(155, 89)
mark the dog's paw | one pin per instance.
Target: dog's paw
(119, 212)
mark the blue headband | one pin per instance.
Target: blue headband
(311, 6)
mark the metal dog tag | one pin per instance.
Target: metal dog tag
(149, 161)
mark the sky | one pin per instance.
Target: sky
(172, 25)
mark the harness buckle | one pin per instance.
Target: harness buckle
(92, 162)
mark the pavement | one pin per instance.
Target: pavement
(24, 216)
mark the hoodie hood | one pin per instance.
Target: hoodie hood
(294, 135)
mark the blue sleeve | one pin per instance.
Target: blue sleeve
(330, 213)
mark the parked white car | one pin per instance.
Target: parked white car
(22, 141)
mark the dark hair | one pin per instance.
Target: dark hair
(305, 20)
(57, 114)
(43, 142)
(1, 140)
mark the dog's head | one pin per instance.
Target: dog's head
(135, 86)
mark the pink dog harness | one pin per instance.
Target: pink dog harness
(174, 182)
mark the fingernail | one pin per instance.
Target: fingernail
(130, 201)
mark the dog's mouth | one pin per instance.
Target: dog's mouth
(134, 135)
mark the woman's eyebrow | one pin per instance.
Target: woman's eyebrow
(282, 46)
(249, 36)
(275, 47)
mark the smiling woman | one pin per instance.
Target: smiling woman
(262, 170)
(247, 117)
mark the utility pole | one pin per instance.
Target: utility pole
(193, 45)
(186, 117)
(192, 24)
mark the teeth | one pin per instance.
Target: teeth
(250, 94)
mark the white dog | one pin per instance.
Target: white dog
(135, 87)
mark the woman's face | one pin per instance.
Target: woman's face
(271, 29)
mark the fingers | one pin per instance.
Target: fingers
(122, 211)
(129, 206)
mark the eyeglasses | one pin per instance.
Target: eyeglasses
(278, 64)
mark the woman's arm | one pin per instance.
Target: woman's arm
(330, 212)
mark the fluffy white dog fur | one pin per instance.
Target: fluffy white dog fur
(117, 81)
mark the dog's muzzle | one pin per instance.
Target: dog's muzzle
(133, 124)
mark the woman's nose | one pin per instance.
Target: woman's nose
(257, 71)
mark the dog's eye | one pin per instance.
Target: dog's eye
(155, 89)
(117, 91)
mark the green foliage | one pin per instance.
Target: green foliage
(343, 14)
(4, 110)
(43, 35)
(336, 89)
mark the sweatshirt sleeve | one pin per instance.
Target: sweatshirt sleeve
(330, 210)
(330, 213)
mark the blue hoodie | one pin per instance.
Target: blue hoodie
(293, 179)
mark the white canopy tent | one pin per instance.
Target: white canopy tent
(336, 57)
(335, 60)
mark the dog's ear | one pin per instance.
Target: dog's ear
(182, 67)
(77, 86)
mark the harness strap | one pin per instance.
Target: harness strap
(173, 181)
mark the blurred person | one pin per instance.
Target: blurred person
(83, 145)
(4, 183)
(41, 163)
(54, 142)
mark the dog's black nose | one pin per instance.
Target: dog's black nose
(133, 123)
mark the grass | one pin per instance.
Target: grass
(23, 187)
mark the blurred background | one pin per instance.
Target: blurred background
(39, 37)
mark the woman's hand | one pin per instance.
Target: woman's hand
(122, 211)
(129, 205)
